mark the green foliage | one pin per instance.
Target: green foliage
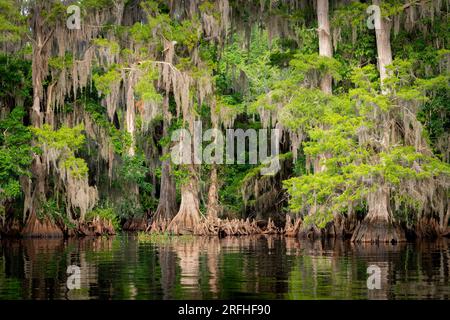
(66, 141)
(134, 169)
(104, 213)
(313, 65)
(12, 23)
(256, 64)
(120, 139)
(15, 78)
(55, 211)
(145, 87)
(111, 45)
(16, 153)
(61, 62)
(104, 82)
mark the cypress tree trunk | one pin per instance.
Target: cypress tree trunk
(382, 31)
(38, 66)
(167, 205)
(188, 216)
(325, 46)
(379, 224)
(37, 185)
(326, 50)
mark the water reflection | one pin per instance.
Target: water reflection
(269, 267)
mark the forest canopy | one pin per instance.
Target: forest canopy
(93, 92)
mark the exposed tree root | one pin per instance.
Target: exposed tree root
(271, 228)
(334, 229)
(378, 230)
(428, 228)
(158, 226)
(96, 227)
(311, 232)
(11, 228)
(41, 229)
(135, 224)
(226, 227)
(292, 229)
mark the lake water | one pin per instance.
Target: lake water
(265, 267)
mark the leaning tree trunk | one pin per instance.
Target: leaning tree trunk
(379, 225)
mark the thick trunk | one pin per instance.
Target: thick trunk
(326, 50)
(39, 72)
(325, 45)
(44, 228)
(379, 225)
(382, 32)
(167, 206)
(188, 216)
(213, 196)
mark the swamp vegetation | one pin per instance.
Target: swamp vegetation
(87, 116)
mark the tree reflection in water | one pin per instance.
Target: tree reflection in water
(272, 267)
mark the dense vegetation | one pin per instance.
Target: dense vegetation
(362, 101)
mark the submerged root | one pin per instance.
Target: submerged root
(158, 226)
(226, 227)
(311, 232)
(428, 228)
(11, 228)
(44, 228)
(135, 224)
(96, 227)
(184, 222)
(291, 229)
(378, 230)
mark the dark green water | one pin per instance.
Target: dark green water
(123, 267)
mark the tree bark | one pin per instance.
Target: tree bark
(39, 66)
(325, 45)
(213, 196)
(326, 50)
(188, 216)
(383, 44)
(379, 225)
(167, 205)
